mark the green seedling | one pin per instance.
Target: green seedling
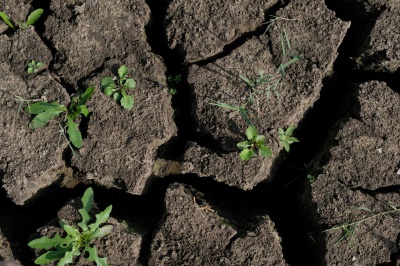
(32, 18)
(253, 144)
(33, 66)
(172, 81)
(349, 229)
(272, 82)
(77, 239)
(311, 178)
(118, 89)
(45, 111)
(286, 138)
(241, 110)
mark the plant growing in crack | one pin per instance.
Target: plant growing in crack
(34, 66)
(285, 137)
(77, 239)
(45, 111)
(118, 88)
(254, 143)
(172, 81)
(32, 18)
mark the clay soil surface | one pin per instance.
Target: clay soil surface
(170, 167)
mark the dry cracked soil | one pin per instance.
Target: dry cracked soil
(170, 167)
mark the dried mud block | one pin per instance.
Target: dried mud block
(120, 247)
(86, 33)
(202, 28)
(23, 47)
(368, 150)
(5, 249)
(195, 235)
(382, 46)
(29, 159)
(365, 159)
(121, 145)
(316, 35)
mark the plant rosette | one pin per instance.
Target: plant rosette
(118, 88)
(286, 138)
(68, 247)
(254, 143)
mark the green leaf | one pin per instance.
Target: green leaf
(84, 97)
(107, 82)
(281, 131)
(30, 70)
(282, 71)
(69, 255)
(83, 110)
(251, 133)
(31, 64)
(122, 71)
(43, 118)
(34, 16)
(260, 139)
(246, 154)
(248, 81)
(264, 151)
(53, 255)
(282, 137)
(289, 131)
(73, 132)
(292, 140)
(5, 18)
(40, 107)
(47, 243)
(87, 202)
(117, 96)
(286, 145)
(130, 83)
(39, 64)
(109, 90)
(127, 102)
(228, 106)
(94, 257)
(105, 230)
(71, 231)
(100, 218)
(243, 145)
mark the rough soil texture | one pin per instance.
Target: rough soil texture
(365, 158)
(219, 81)
(202, 29)
(193, 234)
(383, 44)
(176, 156)
(121, 247)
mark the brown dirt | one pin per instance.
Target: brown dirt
(161, 154)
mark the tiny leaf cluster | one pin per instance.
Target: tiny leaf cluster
(286, 138)
(34, 66)
(118, 88)
(32, 18)
(77, 239)
(254, 143)
(45, 111)
(172, 81)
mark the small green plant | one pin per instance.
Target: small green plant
(241, 110)
(253, 144)
(34, 66)
(172, 81)
(119, 88)
(45, 111)
(32, 18)
(311, 178)
(70, 246)
(349, 229)
(286, 138)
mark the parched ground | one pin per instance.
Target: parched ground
(171, 166)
